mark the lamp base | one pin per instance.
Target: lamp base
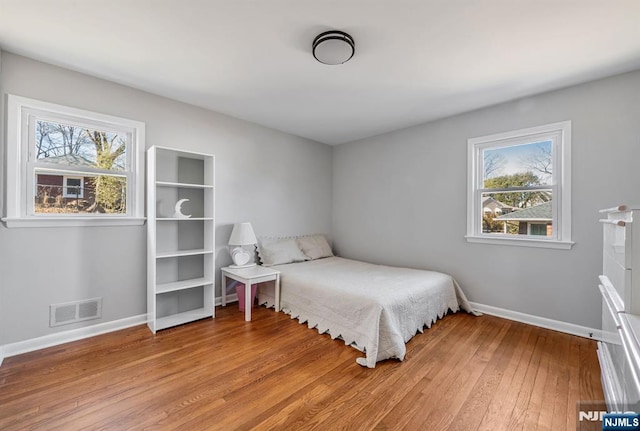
(249, 265)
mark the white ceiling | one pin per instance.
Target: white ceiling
(415, 60)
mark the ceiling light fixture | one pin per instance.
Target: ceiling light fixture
(333, 47)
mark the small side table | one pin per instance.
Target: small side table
(250, 276)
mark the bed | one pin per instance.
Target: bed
(374, 308)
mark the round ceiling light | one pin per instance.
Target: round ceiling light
(333, 47)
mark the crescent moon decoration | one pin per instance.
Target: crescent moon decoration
(178, 209)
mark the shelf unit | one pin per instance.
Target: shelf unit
(180, 249)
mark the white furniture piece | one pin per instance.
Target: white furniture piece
(619, 350)
(180, 237)
(250, 276)
(241, 235)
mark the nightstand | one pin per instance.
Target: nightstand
(250, 276)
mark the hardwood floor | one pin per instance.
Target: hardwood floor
(465, 373)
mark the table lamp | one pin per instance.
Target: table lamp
(242, 235)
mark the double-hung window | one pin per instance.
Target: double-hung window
(519, 189)
(71, 167)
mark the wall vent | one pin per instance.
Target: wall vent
(72, 312)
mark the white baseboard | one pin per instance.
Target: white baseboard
(30, 345)
(543, 322)
(230, 298)
(67, 336)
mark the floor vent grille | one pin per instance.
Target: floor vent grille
(72, 312)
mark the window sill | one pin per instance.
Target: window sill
(522, 242)
(72, 221)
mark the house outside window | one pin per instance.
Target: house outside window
(519, 190)
(535, 220)
(67, 166)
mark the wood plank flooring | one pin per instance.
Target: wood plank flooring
(465, 373)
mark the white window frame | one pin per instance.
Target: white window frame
(21, 167)
(560, 185)
(65, 187)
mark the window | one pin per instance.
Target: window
(519, 190)
(73, 187)
(539, 229)
(70, 167)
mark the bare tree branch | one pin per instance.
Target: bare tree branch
(541, 161)
(492, 162)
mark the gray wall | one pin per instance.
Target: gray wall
(281, 183)
(400, 199)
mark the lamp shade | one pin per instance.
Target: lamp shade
(242, 234)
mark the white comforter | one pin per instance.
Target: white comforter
(374, 308)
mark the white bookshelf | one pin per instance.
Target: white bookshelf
(180, 250)
(166, 254)
(181, 318)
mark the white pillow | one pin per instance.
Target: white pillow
(277, 251)
(314, 246)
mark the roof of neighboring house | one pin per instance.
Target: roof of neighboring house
(542, 212)
(69, 159)
(490, 202)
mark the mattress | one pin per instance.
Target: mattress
(373, 308)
